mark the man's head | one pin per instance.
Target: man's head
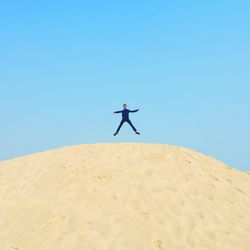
(125, 106)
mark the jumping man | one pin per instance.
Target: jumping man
(125, 118)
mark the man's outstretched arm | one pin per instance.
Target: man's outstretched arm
(133, 111)
(117, 112)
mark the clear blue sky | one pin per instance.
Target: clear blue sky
(65, 66)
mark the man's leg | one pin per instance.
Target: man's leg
(118, 129)
(132, 126)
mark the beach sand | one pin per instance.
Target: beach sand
(123, 196)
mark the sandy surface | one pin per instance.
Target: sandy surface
(123, 197)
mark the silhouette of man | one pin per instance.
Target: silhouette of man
(125, 118)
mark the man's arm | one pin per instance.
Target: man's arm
(117, 112)
(133, 111)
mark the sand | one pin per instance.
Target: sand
(123, 197)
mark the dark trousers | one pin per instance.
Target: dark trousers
(129, 122)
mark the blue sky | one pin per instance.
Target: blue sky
(65, 66)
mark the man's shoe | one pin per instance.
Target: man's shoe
(137, 132)
(115, 133)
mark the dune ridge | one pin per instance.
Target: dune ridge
(123, 196)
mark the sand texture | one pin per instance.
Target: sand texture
(123, 197)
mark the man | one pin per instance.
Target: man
(125, 118)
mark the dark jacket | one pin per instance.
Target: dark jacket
(125, 113)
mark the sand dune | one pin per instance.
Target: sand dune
(123, 197)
